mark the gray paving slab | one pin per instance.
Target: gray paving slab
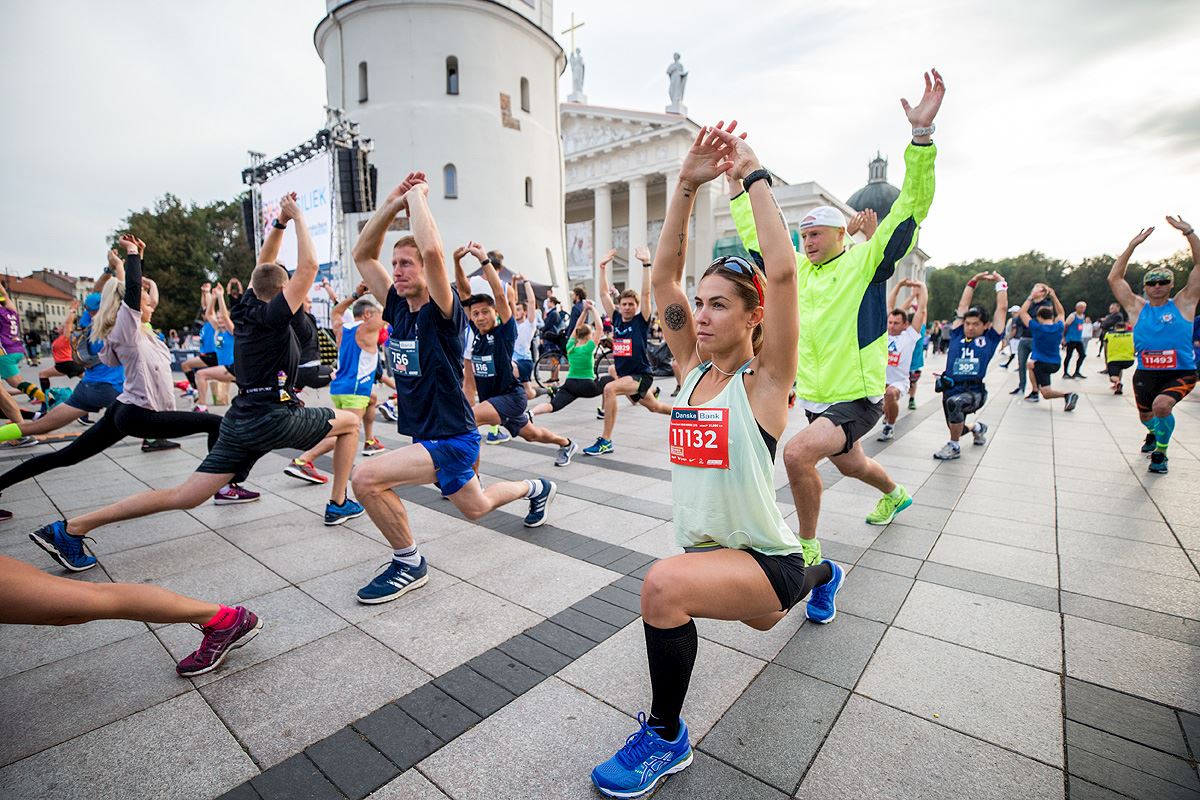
(616, 672)
(1126, 780)
(1132, 718)
(24, 647)
(317, 555)
(505, 755)
(1125, 583)
(914, 759)
(545, 582)
(351, 764)
(1169, 768)
(837, 652)
(1030, 635)
(279, 707)
(1029, 594)
(710, 779)
(171, 526)
(336, 590)
(1003, 531)
(1162, 559)
(411, 785)
(1000, 701)
(397, 735)
(259, 535)
(1135, 663)
(46, 705)
(474, 550)
(267, 507)
(178, 748)
(873, 594)
(904, 541)
(169, 557)
(479, 620)
(760, 644)
(1154, 623)
(890, 562)
(775, 728)
(229, 581)
(997, 559)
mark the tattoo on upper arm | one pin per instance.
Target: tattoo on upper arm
(675, 316)
(682, 236)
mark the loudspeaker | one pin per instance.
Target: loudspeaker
(248, 220)
(356, 180)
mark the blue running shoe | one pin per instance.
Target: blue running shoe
(394, 581)
(540, 503)
(498, 436)
(63, 547)
(601, 447)
(644, 760)
(821, 609)
(337, 514)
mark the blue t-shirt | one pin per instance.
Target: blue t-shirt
(1162, 338)
(629, 345)
(207, 334)
(1046, 336)
(425, 352)
(967, 359)
(102, 373)
(918, 358)
(1196, 337)
(491, 359)
(223, 347)
(1075, 329)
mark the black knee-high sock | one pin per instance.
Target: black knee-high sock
(191, 376)
(672, 654)
(44, 383)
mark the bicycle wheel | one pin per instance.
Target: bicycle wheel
(549, 369)
(604, 360)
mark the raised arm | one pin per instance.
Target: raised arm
(964, 302)
(339, 310)
(530, 298)
(1116, 276)
(429, 243)
(115, 269)
(370, 242)
(597, 323)
(922, 295)
(269, 254)
(781, 316)
(1023, 314)
(1189, 295)
(223, 318)
(461, 283)
(300, 284)
(642, 254)
(1059, 312)
(503, 309)
(605, 297)
(133, 272)
(1000, 317)
(209, 298)
(894, 294)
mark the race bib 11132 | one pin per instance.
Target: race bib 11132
(699, 437)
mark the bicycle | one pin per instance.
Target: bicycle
(552, 360)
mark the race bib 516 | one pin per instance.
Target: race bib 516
(699, 437)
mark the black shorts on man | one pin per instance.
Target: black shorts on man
(1042, 371)
(854, 417)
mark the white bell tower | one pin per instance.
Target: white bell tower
(466, 91)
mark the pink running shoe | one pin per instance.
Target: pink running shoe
(372, 446)
(305, 471)
(232, 494)
(218, 643)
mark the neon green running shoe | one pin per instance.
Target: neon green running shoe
(812, 551)
(887, 508)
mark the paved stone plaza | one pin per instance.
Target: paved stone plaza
(1029, 628)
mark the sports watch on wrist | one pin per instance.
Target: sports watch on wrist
(758, 175)
(277, 224)
(924, 131)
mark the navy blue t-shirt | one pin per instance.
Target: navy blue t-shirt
(967, 360)
(425, 352)
(629, 338)
(491, 359)
(1046, 336)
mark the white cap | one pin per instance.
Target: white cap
(479, 285)
(1014, 309)
(823, 215)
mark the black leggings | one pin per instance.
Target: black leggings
(574, 388)
(121, 420)
(1078, 349)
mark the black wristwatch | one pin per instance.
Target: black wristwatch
(280, 225)
(757, 175)
(485, 262)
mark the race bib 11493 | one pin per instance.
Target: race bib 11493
(1159, 359)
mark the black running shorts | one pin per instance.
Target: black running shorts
(242, 442)
(855, 417)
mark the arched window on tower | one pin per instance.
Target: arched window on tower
(524, 94)
(451, 74)
(362, 81)
(450, 181)
(529, 191)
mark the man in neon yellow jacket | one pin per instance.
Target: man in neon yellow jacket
(840, 380)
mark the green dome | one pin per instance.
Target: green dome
(878, 195)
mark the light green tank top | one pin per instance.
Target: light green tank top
(733, 507)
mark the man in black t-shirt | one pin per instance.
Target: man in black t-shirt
(489, 367)
(631, 329)
(425, 352)
(265, 414)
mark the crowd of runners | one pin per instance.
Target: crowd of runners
(817, 327)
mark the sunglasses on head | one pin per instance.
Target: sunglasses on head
(1158, 282)
(741, 266)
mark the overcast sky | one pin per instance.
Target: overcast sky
(1066, 127)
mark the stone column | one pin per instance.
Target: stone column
(701, 246)
(601, 235)
(637, 229)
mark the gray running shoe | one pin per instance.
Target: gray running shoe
(24, 441)
(948, 452)
(1072, 401)
(979, 433)
(565, 453)
(887, 434)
